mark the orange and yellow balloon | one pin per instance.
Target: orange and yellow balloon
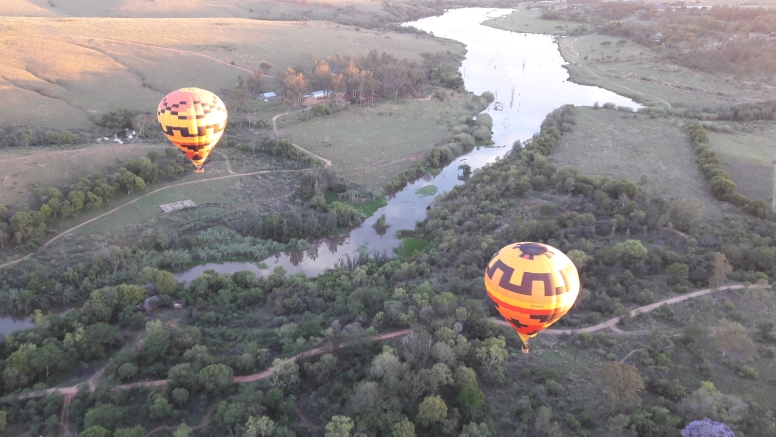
(193, 119)
(532, 285)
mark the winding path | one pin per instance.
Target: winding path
(70, 392)
(232, 174)
(298, 147)
(640, 310)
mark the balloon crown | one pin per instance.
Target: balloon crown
(532, 249)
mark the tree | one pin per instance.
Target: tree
(630, 250)
(106, 416)
(722, 187)
(475, 430)
(254, 81)
(127, 371)
(182, 375)
(707, 428)
(294, 83)
(246, 362)
(265, 66)
(431, 411)
(684, 213)
(165, 282)
(721, 270)
(471, 399)
(160, 408)
(622, 384)
(180, 396)
(286, 375)
(542, 419)
(403, 428)
(216, 378)
(182, 430)
(339, 426)
(709, 402)
(734, 341)
(136, 431)
(50, 358)
(259, 427)
(492, 354)
(94, 431)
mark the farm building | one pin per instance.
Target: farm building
(316, 95)
(149, 303)
(268, 96)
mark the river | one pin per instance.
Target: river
(524, 71)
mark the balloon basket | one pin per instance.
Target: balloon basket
(199, 170)
(525, 350)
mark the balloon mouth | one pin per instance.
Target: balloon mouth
(532, 249)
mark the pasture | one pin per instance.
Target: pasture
(628, 146)
(366, 11)
(748, 157)
(530, 21)
(60, 72)
(371, 144)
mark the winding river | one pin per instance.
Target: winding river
(524, 71)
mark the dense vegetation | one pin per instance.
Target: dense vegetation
(434, 381)
(722, 39)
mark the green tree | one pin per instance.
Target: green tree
(492, 354)
(182, 430)
(339, 426)
(106, 416)
(709, 402)
(475, 430)
(216, 378)
(630, 250)
(471, 399)
(403, 428)
(721, 270)
(286, 375)
(622, 383)
(50, 358)
(160, 408)
(722, 187)
(684, 213)
(431, 411)
(734, 341)
(95, 431)
(183, 375)
(259, 427)
(127, 371)
(180, 396)
(135, 431)
(165, 282)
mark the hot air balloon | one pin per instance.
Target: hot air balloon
(194, 120)
(532, 285)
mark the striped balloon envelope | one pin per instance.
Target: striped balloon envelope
(532, 285)
(193, 119)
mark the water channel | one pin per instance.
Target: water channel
(498, 61)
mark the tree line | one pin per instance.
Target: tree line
(24, 227)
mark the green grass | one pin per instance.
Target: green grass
(410, 245)
(640, 73)
(748, 157)
(628, 146)
(428, 190)
(370, 145)
(367, 208)
(530, 21)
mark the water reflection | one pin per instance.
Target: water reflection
(524, 71)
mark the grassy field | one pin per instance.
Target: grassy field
(367, 11)
(530, 21)
(748, 157)
(24, 170)
(58, 72)
(629, 146)
(634, 70)
(370, 145)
